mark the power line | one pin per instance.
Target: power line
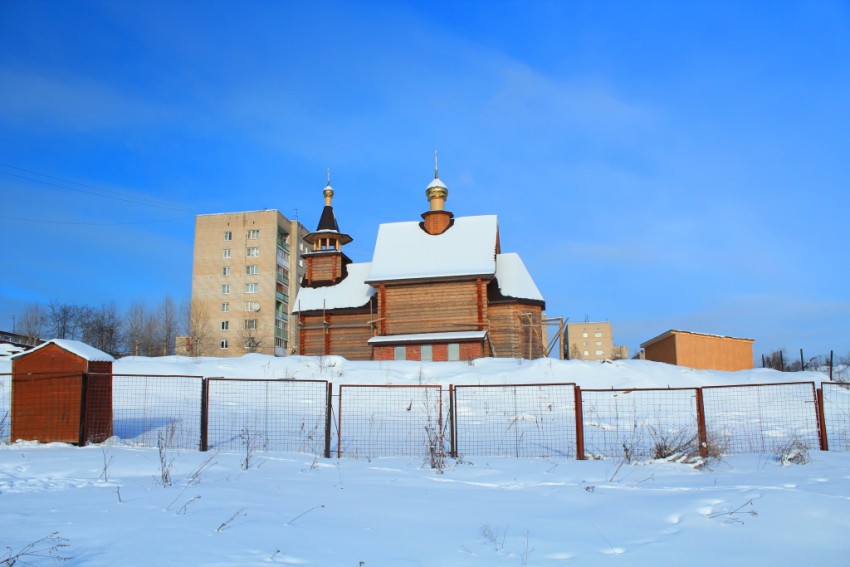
(96, 191)
(42, 221)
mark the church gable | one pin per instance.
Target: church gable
(404, 251)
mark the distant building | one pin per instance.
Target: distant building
(699, 350)
(592, 341)
(21, 341)
(440, 289)
(246, 271)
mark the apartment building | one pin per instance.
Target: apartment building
(246, 273)
(592, 341)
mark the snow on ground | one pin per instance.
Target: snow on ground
(109, 505)
(293, 509)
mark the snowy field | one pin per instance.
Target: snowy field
(107, 505)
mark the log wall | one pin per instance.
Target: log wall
(324, 268)
(433, 307)
(348, 335)
(510, 332)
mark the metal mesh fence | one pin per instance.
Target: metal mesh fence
(760, 418)
(639, 423)
(5, 406)
(147, 407)
(268, 415)
(384, 421)
(521, 420)
(515, 420)
(836, 415)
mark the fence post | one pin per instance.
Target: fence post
(328, 413)
(579, 424)
(205, 416)
(452, 423)
(824, 442)
(702, 434)
(830, 365)
(83, 403)
(339, 423)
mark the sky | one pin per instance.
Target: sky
(658, 165)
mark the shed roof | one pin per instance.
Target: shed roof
(672, 332)
(81, 349)
(352, 291)
(403, 251)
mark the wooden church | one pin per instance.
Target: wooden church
(439, 289)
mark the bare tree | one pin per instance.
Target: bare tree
(101, 328)
(775, 360)
(62, 320)
(168, 324)
(251, 334)
(137, 332)
(197, 326)
(33, 323)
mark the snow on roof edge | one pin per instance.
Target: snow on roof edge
(79, 348)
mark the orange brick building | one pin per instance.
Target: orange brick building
(62, 391)
(702, 351)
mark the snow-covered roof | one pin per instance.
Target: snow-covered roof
(513, 278)
(353, 291)
(81, 349)
(449, 337)
(404, 251)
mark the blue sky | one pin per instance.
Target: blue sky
(656, 164)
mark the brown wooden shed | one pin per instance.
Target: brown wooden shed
(699, 350)
(62, 391)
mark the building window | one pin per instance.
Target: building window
(225, 307)
(228, 235)
(226, 253)
(250, 324)
(253, 252)
(597, 335)
(598, 343)
(251, 288)
(599, 353)
(252, 269)
(426, 353)
(253, 234)
(454, 351)
(223, 344)
(225, 271)
(225, 289)
(586, 353)
(225, 325)
(250, 343)
(252, 306)
(584, 335)
(400, 353)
